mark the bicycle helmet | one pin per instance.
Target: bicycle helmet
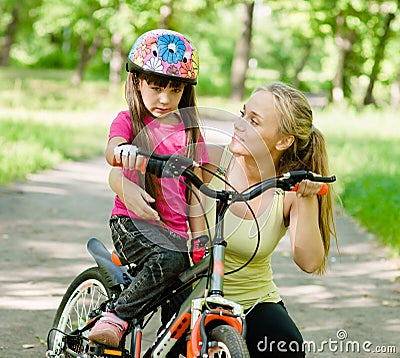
(164, 52)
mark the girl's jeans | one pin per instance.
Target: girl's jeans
(159, 254)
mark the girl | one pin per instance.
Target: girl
(274, 135)
(149, 227)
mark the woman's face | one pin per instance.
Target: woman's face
(256, 133)
(160, 100)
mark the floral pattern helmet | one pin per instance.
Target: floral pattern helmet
(164, 52)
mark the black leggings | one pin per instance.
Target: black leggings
(272, 333)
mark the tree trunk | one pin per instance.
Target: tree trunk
(344, 44)
(116, 62)
(379, 54)
(242, 54)
(301, 64)
(166, 13)
(9, 36)
(86, 55)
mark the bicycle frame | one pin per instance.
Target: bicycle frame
(192, 314)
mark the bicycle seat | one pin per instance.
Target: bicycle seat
(114, 274)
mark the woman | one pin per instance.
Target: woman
(274, 135)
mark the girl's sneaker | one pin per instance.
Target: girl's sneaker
(108, 330)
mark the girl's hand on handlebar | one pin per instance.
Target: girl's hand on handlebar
(126, 156)
(307, 188)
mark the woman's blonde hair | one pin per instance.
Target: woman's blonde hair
(308, 151)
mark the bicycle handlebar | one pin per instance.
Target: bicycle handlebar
(174, 166)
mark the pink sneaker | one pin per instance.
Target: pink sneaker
(108, 330)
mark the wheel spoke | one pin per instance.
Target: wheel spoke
(86, 293)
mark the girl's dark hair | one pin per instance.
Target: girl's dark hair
(142, 135)
(308, 151)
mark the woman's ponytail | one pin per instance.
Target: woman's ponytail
(308, 151)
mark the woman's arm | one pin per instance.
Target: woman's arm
(215, 152)
(305, 236)
(132, 195)
(195, 214)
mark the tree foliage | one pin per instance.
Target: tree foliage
(347, 49)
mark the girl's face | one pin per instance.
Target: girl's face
(257, 131)
(160, 100)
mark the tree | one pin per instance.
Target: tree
(16, 19)
(379, 56)
(346, 47)
(74, 29)
(10, 35)
(242, 53)
(344, 40)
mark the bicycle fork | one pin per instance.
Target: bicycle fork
(201, 309)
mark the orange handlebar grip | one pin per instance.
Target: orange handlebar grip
(116, 164)
(323, 191)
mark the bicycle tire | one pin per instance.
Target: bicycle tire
(84, 295)
(228, 343)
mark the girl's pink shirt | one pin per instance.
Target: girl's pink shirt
(168, 139)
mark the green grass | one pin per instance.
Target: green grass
(45, 120)
(364, 153)
(28, 146)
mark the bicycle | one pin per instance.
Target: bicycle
(213, 325)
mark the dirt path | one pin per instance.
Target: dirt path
(46, 221)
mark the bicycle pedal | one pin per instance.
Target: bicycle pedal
(100, 351)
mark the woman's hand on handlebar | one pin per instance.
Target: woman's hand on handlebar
(307, 188)
(132, 195)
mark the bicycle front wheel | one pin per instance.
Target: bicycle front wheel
(226, 342)
(87, 292)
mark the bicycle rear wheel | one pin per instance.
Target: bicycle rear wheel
(85, 295)
(227, 343)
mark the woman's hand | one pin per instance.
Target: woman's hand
(132, 195)
(137, 201)
(307, 188)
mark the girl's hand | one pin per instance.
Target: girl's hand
(307, 188)
(126, 156)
